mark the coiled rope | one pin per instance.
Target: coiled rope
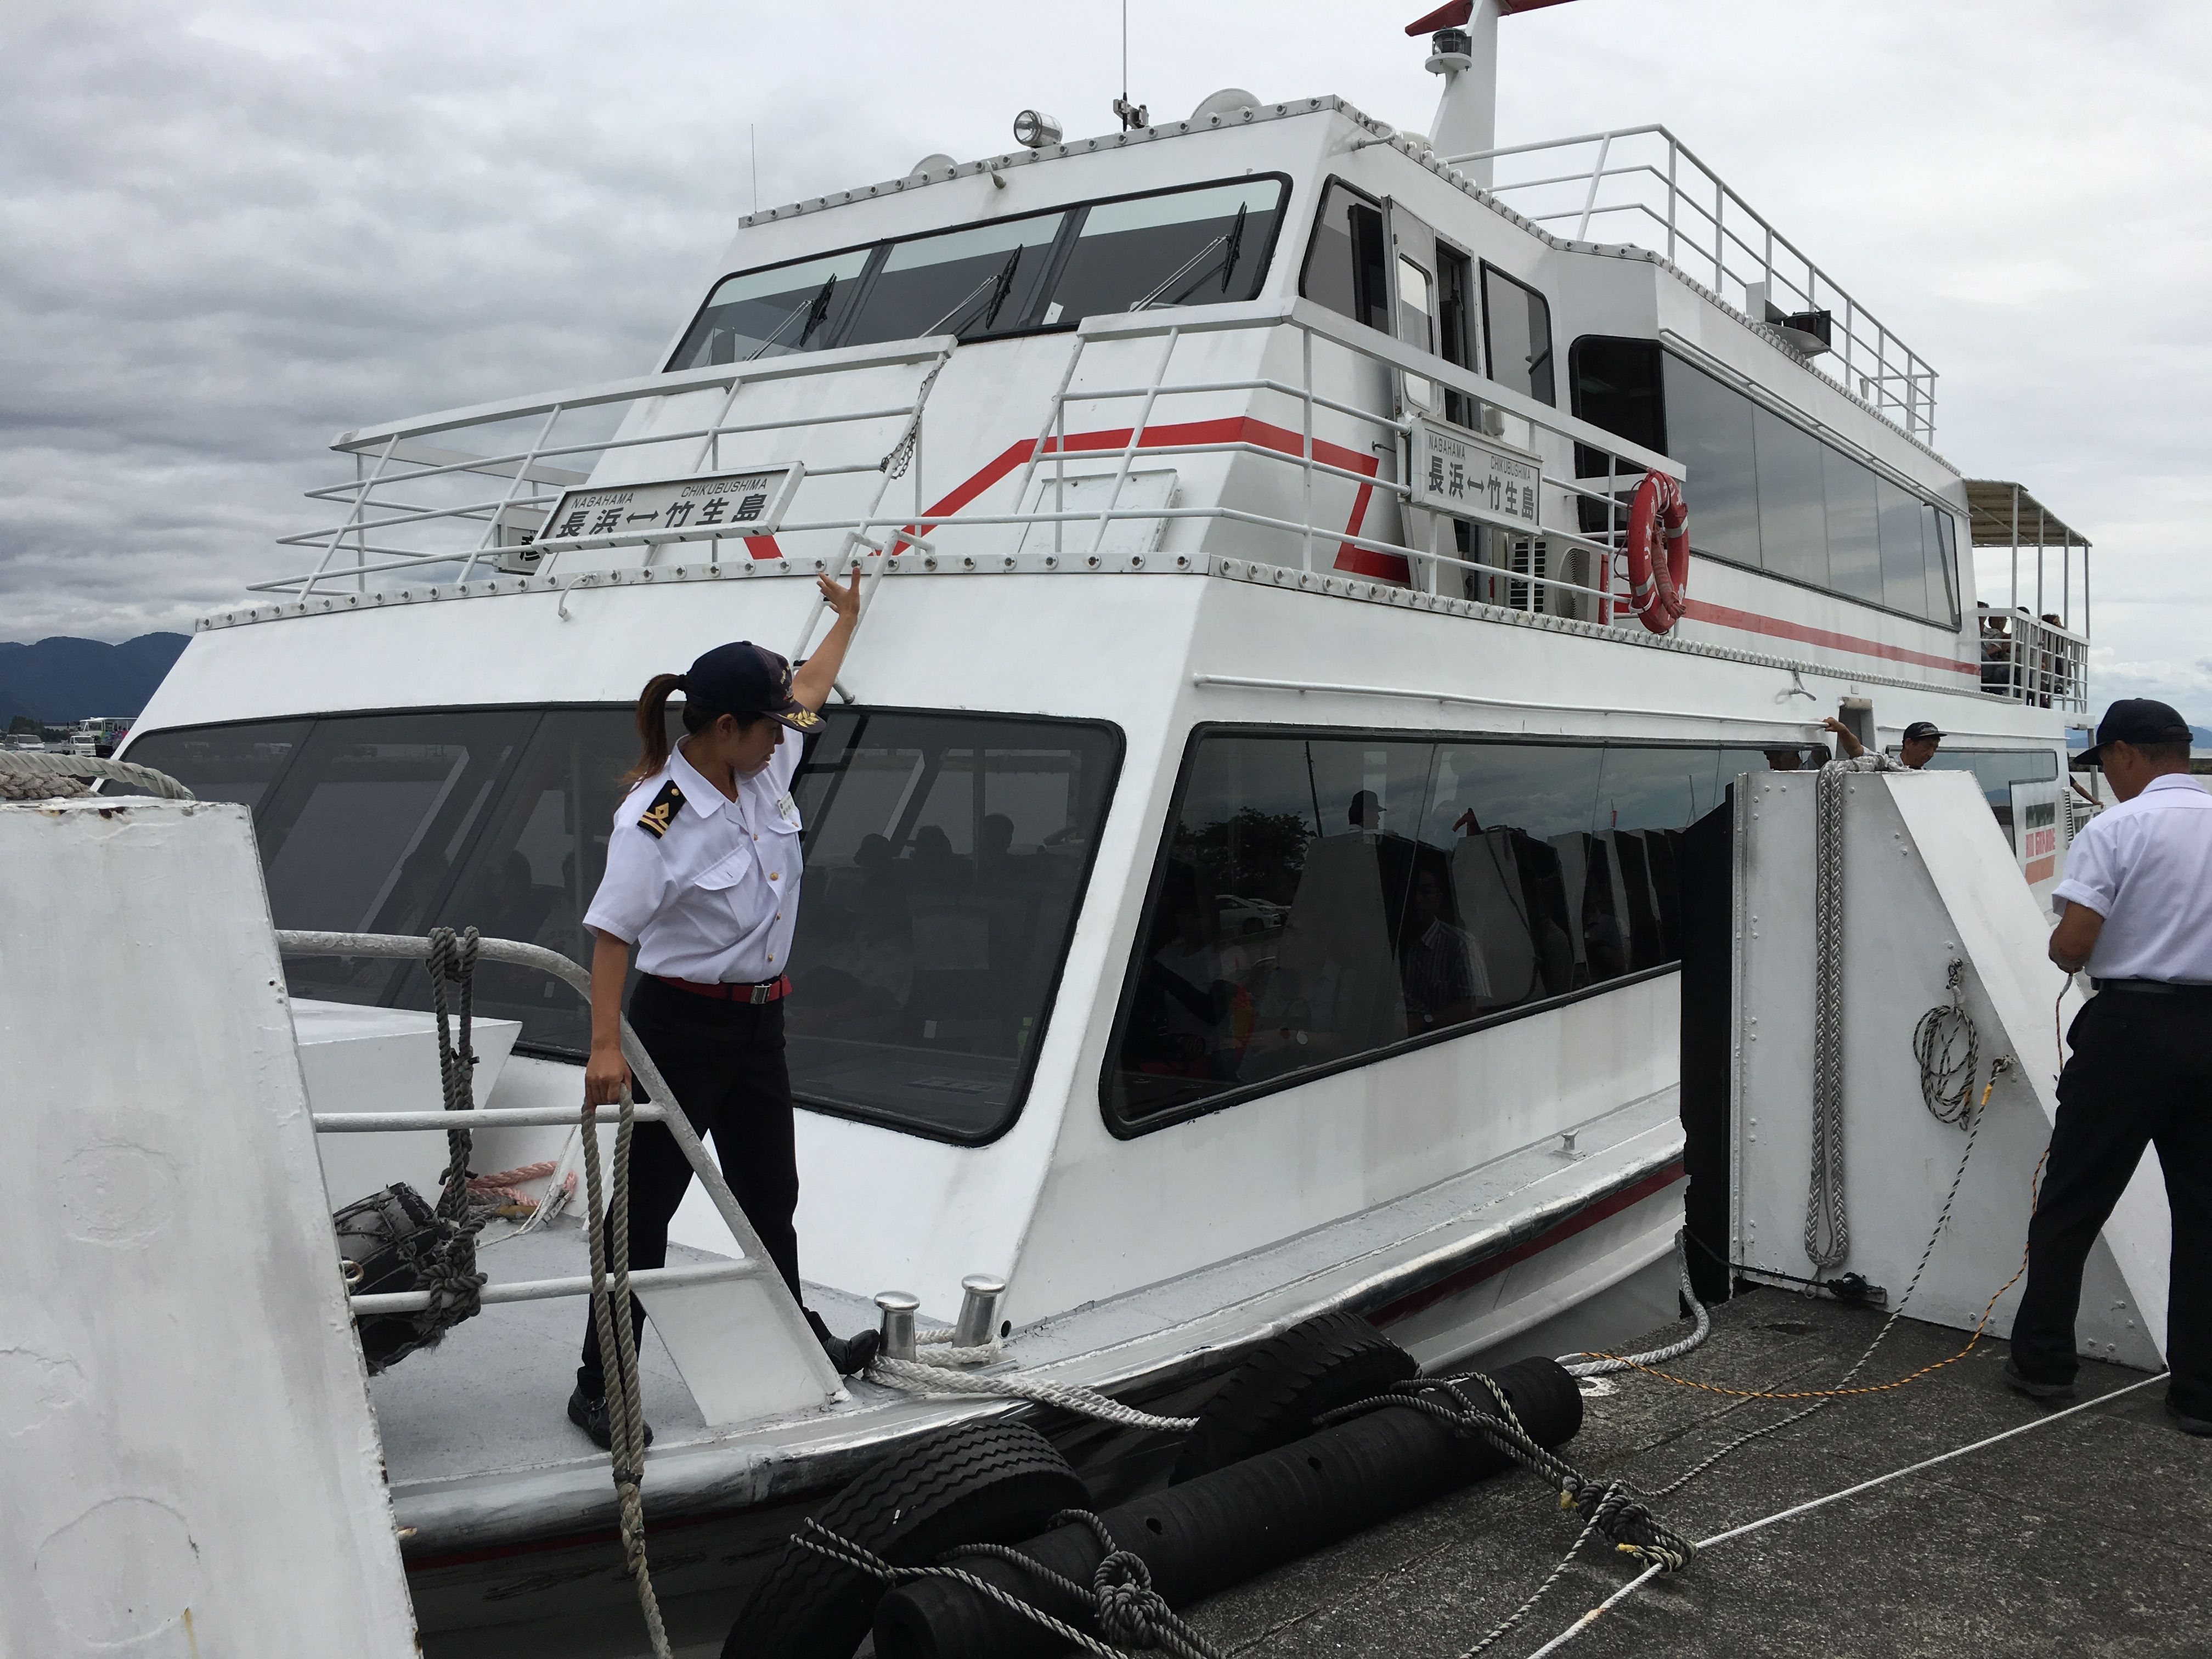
(34, 775)
(1948, 1045)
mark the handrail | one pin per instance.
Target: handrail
(293, 942)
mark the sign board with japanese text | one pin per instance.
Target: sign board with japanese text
(1468, 476)
(686, 509)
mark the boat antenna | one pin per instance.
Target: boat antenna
(1132, 115)
(752, 141)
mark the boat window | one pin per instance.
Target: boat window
(1996, 770)
(1179, 249)
(1518, 321)
(226, 763)
(967, 283)
(945, 856)
(1765, 493)
(1346, 263)
(1193, 246)
(1325, 897)
(1417, 327)
(771, 313)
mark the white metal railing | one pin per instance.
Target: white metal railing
(753, 1262)
(395, 526)
(2027, 660)
(1642, 185)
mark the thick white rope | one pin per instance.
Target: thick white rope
(1807, 1507)
(1582, 1364)
(34, 775)
(933, 1381)
(1827, 1225)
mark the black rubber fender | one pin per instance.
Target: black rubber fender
(985, 1482)
(1277, 1390)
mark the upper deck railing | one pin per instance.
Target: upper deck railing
(1642, 185)
(463, 497)
(2027, 660)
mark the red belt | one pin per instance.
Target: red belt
(767, 990)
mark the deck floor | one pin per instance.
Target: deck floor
(2084, 1538)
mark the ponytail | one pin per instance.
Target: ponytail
(653, 727)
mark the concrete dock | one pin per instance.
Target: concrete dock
(2085, 1537)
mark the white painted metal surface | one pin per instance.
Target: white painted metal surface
(358, 1059)
(189, 1460)
(1928, 879)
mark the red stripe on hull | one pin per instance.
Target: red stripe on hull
(1490, 1267)
(1749, 622)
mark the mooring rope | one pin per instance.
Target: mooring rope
(34, 775)
(938, 1379)
(608, 1230)
(449, 1273)
(1828, 1223)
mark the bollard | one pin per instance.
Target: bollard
(978, 1326)
(897, 1333)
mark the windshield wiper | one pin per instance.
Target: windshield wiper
(1231, 242)
(996, 286)
(814, 313)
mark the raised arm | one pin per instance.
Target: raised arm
(1847, 739)
(817, 677)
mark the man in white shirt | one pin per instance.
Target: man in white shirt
(2138, 915)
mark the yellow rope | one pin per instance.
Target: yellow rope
(2034, 1186)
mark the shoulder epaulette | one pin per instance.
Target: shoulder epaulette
(656, 818)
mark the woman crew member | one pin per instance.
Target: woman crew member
(702, 879)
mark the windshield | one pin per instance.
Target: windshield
(945, 856)
(1198, 245)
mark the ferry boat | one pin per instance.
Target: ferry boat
(1247, 861)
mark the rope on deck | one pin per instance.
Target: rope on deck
(939, 1379)
(34, 775)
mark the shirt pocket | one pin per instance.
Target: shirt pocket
(777, 853)
(732, 888)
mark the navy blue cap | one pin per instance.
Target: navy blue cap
(2138, 720)
(1920, 729)
(742, 678)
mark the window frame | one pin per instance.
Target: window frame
(1483, 271)
(1025, 1071)
(1074, 213)
(1334, 181)
(1948, 575)
(1122, 1126)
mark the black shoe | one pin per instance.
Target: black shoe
(848, 1355)
(2186, 1424)
(2035, 1390)
(589, 1414)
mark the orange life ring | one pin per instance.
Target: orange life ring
(1658, 581)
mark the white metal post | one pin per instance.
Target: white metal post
(1306, 465)
(490, 538)
(360, 511)
(1136, 436)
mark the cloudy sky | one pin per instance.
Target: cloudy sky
(229, 230)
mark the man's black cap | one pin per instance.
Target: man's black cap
(2139, 720)
(742, 678)
(1921, 729)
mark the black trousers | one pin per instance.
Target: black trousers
(2141, 1075)
(725, 1061)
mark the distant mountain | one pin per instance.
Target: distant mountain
(62, 679)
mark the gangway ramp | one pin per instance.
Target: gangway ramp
(1926, 879)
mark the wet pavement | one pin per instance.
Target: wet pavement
(2084, 1537)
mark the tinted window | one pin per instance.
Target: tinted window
(1329, 895)
(1179, 249)
(1345, 266)
(1904, 553)
(1617, 386)
(1518, 322)
(223, 763)
(945, 854)
(1455, 322)
(1709, 430)
(967, 283)
(769, 313)
(1049, 269)
(1854, 528)
(1793, 514)
(1996, 770)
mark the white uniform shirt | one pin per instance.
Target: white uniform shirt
(705, 887)
(2145, 867)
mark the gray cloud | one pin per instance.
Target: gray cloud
(227, 232)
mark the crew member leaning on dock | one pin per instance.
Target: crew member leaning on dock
(2138, 915)
(703, 878)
